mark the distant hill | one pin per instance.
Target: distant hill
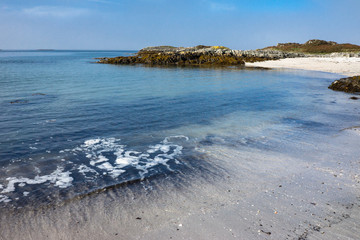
(315, 46)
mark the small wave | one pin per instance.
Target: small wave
(101, 157)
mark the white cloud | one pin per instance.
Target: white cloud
(52, 11)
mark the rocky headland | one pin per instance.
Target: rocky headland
(219, 55)
(199, 55)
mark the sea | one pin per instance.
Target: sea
(70, 127)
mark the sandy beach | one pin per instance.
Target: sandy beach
(240, 194)
(340, 65)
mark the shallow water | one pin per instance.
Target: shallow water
(69, 127)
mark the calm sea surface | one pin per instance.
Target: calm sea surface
(69, 127)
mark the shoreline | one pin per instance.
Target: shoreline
(256, 195)
(347, 66)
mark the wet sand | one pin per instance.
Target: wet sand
(340, 65)
(307, 191)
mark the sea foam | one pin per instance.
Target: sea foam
(59, 178)
(103, 157)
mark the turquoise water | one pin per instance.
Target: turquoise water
(69, 126)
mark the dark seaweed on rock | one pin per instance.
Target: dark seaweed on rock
(180, 59)
(349, 85)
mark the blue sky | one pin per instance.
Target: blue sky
(133, 24)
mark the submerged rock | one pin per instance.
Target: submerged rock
(349, 85)
(19, 101)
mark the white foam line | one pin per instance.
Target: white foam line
(58, 177)
(93, 150)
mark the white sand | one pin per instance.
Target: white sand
(340, 65)
(245, 193)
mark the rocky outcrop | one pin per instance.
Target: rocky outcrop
(317, 46)
(198, 55)
(318, 42)
(349, 85)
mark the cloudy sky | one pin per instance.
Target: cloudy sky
(133, 24)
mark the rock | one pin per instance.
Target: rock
(317, 42)
(198, 55)
(167, 55)
(19, 101)
(349, 85)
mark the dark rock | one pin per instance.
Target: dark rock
(268, 233)
(19, 101)
(353, 98)
(316, 228)
(349, 85)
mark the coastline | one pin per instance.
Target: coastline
(348, 66)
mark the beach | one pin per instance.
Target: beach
(340, 65)
(241, 194)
